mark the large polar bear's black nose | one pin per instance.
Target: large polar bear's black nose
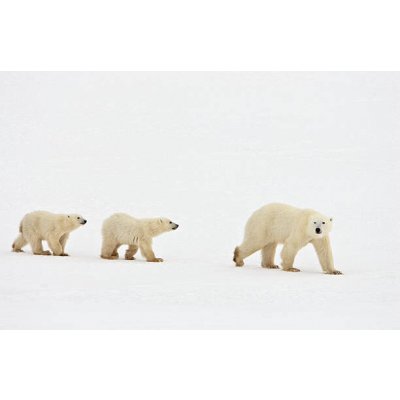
(318, 230)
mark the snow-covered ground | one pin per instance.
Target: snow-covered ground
(206, 150)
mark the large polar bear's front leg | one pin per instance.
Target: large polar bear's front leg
(324, 252)
(147, 251)
(288, 255)
(131, 251)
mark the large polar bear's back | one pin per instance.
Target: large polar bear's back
(272, 222)
(123, 228)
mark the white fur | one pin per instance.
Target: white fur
(293, 227)
(43, 225)
(123, 229)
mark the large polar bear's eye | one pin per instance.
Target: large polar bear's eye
(323, 222)
(314, 222)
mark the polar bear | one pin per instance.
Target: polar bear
(122, 229)
(42, 225)
(293, 227)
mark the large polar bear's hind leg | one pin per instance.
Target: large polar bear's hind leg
(288, 255)
(246, 249)
(19, 243)
(108, 249)
(115, 251)
(324, 252)
(131, 251)
(268, 256)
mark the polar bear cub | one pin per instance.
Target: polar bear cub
(120, 229)
(293, 227)
(42, 225)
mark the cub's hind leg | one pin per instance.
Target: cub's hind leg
(37, 248)
(268, 256)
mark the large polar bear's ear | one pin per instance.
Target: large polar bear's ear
(160, 220)
(331, 219)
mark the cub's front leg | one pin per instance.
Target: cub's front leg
(55, 245)
(324, 252)
(147, 251)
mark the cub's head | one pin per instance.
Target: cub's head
(75, 221)
(167, 225)
(319, 225)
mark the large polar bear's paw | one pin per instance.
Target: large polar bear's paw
(155, 259)
(335, 272)
(270, 266)
(292, 269)
(109, 258)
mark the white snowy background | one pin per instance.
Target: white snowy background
(206, 150)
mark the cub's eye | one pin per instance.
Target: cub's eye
(170, 222)
(323, 222)
(314, 222)
(80, 218)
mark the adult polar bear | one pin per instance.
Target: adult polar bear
(293, 227)
(43, 225)
(120, 229)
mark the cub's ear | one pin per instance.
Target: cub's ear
(331, 219)
(68, 216)
(160, 220)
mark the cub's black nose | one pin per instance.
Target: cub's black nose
(318, 230)
(84, 221)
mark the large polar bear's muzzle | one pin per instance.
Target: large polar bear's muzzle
(174, 226)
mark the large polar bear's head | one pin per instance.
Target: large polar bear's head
(74, 221)
(318, 225)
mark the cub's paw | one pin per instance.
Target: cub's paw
(155, 259)
(271, 266)
(335, 272)
(292, 269)
(43, 253)
(129, 255)
(64, 254)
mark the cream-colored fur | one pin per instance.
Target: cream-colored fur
(293, 227)
(121, 229)
(42, 225)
